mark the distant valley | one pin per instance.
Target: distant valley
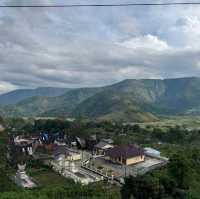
(129, 100)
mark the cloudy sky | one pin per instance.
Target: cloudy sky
(77, 47)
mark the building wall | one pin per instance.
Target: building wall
(100, 152)
(64, 164)
(135, 160)
(128, 161)
(74, 157)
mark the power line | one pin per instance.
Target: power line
(100, 5)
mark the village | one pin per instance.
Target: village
(85, 160)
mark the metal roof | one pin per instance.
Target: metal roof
(103, 144)
(126, 151)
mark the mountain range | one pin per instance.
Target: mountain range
(129, 100)
(16, 96)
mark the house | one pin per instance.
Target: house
(61, 150)
(101, 147)
(65, 158)
(86, 143)
(125, 154)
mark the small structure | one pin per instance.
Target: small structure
(60, 142)
(91, 141)
(19, 149)
(151, 152)
(65, 158)
(1, 128)
(107, 140)
(67, 163)
(69, 154)
(81, 143)
(25, 145)
(22, 179)
(101, 147)
(125, 154)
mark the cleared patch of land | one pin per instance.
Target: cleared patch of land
(189, 122)
(49, 178)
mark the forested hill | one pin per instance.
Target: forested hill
(129, 100)
(16, 96)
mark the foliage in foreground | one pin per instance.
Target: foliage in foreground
(72, 191)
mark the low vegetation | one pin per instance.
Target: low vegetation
(179, 179)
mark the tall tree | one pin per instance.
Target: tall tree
(179, 169)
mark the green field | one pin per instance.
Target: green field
(189, 122)
(47, 177)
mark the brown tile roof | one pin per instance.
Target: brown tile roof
(125, 151)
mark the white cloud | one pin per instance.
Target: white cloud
(148, 42)
(5, 87)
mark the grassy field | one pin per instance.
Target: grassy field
(49, 178)
(190, 122)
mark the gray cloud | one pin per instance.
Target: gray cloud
(96, 46)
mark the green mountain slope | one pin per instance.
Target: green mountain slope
(63, 105)
(112, 105)
(16, 96)
(49, 106)
(129, 100)
(142, 100)
(181, 94)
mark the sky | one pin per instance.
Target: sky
(96, 46)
